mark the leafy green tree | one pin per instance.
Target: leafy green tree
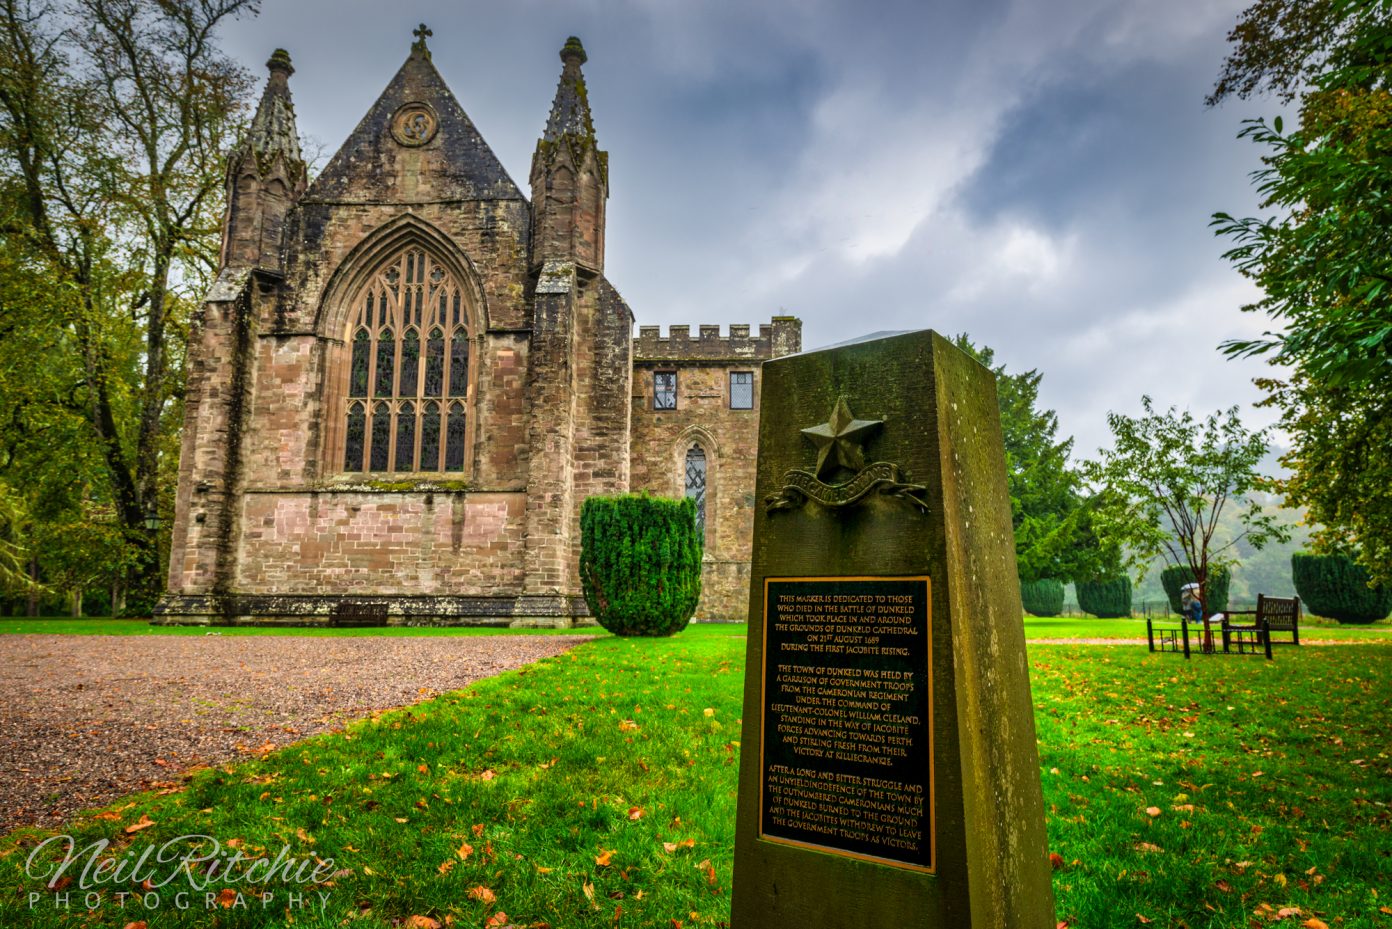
(1324, 258)
(1163, 487)
(114, 115)
(1054, 535)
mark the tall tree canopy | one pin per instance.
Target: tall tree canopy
(114, 117)
(1054, 536)
(1324, 259)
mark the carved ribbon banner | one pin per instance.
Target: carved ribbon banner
(882, 476)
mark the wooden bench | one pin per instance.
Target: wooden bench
(349, 613)
(1272, 615)
(1282, 615)
(1170, 638)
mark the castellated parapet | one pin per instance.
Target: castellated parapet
(783, 336)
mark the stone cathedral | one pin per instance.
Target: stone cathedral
(409, 375)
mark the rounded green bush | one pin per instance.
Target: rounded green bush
(1336, 586)
(640, 563)
(1105, 598)
(1172, 579)
(1043, 597)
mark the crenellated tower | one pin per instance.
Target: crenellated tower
(265, 176)
(570, 175)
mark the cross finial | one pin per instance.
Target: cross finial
(421, 32)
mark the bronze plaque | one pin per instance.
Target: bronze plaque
(846, 764)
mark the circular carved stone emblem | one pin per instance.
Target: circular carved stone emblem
(414, 124)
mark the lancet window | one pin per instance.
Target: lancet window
(408, 375)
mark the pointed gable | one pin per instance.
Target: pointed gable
(415, 144)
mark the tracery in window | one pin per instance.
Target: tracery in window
(696, 482)
(454, 438)
(411, 299)
(357, 437)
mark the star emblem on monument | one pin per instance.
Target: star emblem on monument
(840, 440)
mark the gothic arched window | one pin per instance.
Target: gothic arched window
(408, 358)
(696, 482)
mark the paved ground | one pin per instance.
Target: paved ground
(86, 719)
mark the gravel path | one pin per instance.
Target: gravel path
(85, 719)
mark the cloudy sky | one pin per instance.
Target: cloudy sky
(1036, 173)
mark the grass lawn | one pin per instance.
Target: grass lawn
(1067, 627)
(597, 789)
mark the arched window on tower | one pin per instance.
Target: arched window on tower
(696, 482)
(409, 353)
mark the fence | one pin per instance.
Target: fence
(1146, 609)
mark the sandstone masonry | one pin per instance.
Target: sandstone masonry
(408, 377)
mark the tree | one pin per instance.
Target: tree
(1054, 536)
(1165, 484)
(1324, 261)
(114, 115)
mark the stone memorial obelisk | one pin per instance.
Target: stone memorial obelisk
(889, 775)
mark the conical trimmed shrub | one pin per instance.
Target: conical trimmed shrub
(640, 563)
(1043, 597)
(1105, 598)
(1336, 586)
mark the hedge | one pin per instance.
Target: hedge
(640, 563)
(1043, 597)
(1336, 586)
(1105, 598)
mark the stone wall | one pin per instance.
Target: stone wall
(372, 541)
(729, 437)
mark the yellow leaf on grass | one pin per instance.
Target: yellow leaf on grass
(635, 813)
(602, 859)
(488, 775)
(709, 711)
(1313, 923)
(628, 725)
(446, 866)
(464, 851)
(145, 822)
(1152, 811)
(1148, 847)
(482, 893)
(421, 922)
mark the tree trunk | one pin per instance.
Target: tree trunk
(32, 606)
